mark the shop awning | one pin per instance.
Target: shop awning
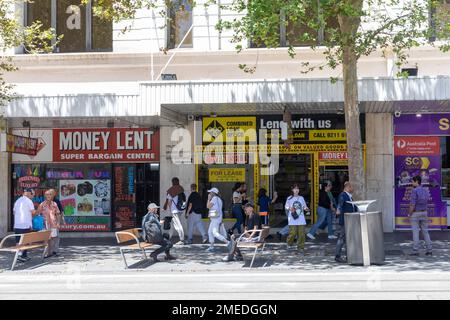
(172, 101)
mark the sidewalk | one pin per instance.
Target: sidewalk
(101, 255)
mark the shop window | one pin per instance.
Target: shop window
(180, 23)
(81, 30)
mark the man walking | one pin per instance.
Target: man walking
(23, 218)
(419, 216)
(343, 207)
(152, 233)
(174, 202)
(195, 207)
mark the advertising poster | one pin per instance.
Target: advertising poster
(125, 197)
(86, 204)
(418, 156)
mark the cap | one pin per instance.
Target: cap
(215, 190)
(27, 190)
(152, 206)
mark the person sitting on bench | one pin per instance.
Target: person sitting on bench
(250, 233)
(152, 233)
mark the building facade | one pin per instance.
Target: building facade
(102, 83)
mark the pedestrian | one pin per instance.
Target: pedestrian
(343, 207)
(252, 232)
(263, 202)
(324, 212)
(52, 217)
(152, 233)
(419, 216)
(237, 209)
(296, 208)
(216, 228)
(23, 218)
(58, 203)
(176, 203)
(195, 207)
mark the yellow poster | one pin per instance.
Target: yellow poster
(223, 129)
(327, 135)
(226, 175)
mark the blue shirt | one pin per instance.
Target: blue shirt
(419, 198)
(264, 202)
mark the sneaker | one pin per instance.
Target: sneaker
(22, 259)
(414, 253)
(429, 253)
(309, 235)
(56, 254)
(340, 260)
(154, 257)
(169, 257)
(227, 258)
(179, 243)
(332, 237)
(205, 241)
(210, 249)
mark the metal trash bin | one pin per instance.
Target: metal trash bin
(364, 235)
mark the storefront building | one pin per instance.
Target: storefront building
(317, 153)
(422, 147)
(104, 177)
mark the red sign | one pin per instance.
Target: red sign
(333, 155)
(416, 146)
(22, 145)
(105, 145)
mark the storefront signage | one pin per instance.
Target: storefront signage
(418, 156)
(229, 128)
(44, 146)
(333, 158)
(226, 174)
(307, 129)
(125, 198)
(19, 144)
(425, 125)
(226, 158)
(105, 145)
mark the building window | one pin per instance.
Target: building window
(81, 30)
(180, 23)
(439, 20)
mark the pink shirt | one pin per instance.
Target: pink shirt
(51, 214)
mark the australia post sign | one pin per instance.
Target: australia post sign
(105, 145)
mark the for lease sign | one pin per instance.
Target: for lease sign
(105, 145)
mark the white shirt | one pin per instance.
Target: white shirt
(301, 221)
(237, 195)
(173, 203)
(217, 205)
(23, 217)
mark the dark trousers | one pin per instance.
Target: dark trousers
(165, 244)
(239, 215)
(21, 231)
(341, 240)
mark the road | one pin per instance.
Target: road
(224, 285)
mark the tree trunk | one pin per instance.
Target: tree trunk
(357, 176)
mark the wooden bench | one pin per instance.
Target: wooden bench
(259, 244)
(131, 235)
(28, 241)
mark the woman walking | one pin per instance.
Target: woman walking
(296, 206)
(52, 216)
(214, 205)
(324, 212)
(237, 209)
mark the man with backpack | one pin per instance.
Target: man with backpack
(152, 233)
(176, 203)
(194, 211)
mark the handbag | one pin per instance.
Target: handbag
(54, 232)
(213, 213)
(38, 223)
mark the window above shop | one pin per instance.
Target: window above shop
(81, 30)
(179, 24)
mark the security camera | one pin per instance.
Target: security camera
(191, 117)
(397, 114)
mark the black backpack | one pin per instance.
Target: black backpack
(152, 231)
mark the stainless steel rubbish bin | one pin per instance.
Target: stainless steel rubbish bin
(364, 237)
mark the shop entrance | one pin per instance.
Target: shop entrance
(338, 175)
(147, 188)
(294, 169)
